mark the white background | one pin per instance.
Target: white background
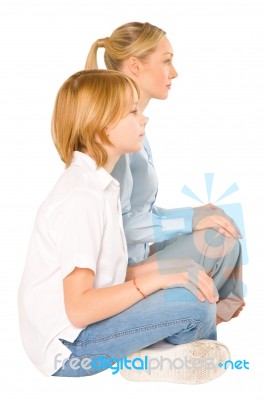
(213, 121)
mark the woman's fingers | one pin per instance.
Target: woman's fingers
(225, 226)
(210, 216)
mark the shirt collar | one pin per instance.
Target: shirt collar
(103, 178)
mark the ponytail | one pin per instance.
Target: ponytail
(91, 62)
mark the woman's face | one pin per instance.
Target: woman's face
(156, 72)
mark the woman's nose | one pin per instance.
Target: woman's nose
(173, 73)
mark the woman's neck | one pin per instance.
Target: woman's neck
(142, 104)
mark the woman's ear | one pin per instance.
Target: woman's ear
(133, 64)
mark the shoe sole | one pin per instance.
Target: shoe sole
(191, 363)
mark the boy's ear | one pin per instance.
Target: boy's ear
(133, 65)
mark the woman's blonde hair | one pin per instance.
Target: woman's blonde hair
(133, 39)
(86, 104)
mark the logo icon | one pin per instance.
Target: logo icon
(234, 210)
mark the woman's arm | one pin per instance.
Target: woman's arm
(157, 225)
(143, 221)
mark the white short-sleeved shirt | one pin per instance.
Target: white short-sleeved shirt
(78, 225)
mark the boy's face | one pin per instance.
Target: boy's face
(127, 135)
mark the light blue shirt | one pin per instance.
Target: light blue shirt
(143, 221)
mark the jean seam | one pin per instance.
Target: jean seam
(138, 330)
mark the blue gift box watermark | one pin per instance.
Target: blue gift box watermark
(234, 210)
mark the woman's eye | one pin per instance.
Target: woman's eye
(134, 111)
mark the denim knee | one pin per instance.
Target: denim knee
(199, 324)
(189, 308)
(207, 317)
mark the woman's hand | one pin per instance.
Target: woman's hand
(210, 216)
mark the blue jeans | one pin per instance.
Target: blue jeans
(221, 258)
(175, 315)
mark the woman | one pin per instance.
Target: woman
(143, 52)
(80, 308)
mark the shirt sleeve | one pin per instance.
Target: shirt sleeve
(77, 230)
(157, 225)
(148, 223)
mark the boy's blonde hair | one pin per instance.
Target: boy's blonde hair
(133, 39)
(86, 104)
